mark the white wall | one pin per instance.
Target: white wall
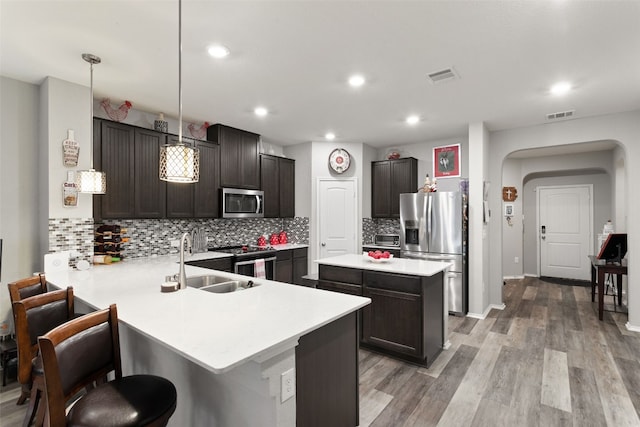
(511, 233)
(623, 128)
(20, 197)
(66, 107)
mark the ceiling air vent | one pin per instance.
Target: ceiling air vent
(561, 115)
(442, 75)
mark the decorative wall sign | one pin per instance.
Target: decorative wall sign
(70, 191)
(70, 150)
(446, 161)
(509, 194)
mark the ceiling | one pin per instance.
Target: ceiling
(294, 57)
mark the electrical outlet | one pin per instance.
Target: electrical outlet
(287, 385)
(516, 260)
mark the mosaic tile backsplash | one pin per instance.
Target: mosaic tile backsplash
(149, 237)
(72, 234)
(373, 226)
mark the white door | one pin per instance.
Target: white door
(337, 217)
(564, 229)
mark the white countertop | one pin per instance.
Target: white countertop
(414, 267)
(216, 331)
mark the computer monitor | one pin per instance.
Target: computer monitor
(614, 248)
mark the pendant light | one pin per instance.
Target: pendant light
(179, 162)
(91, 181)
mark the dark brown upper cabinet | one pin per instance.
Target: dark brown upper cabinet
(239, 156)
(129, 156)
(390, 178)
(277, 180)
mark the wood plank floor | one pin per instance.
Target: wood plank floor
(545, 360)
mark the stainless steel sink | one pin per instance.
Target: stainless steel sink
(202, 281)
(230, 286)
(218, 284)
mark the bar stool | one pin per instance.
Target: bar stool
(83, 350)
(19, 290)
(34, 316)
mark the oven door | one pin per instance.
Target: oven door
(248, 268)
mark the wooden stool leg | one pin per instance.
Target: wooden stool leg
(36, 408)
(23, 395)
(619, 283)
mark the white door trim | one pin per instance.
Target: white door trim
(354, 180)
(591, 213)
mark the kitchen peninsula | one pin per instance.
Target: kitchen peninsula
(407, 316)
(233, 357)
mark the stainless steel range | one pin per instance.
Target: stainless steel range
(245, 256)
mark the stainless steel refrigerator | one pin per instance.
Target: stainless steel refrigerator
(433, 226)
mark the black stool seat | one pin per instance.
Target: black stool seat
(135, 400)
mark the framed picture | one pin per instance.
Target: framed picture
(446, 161)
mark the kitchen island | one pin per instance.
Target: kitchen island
(407, 316)
(226, 353)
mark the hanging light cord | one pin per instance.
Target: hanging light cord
(91, 118)
(180, 71)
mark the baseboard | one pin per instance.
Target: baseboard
(632, 328)
(512, 277)
(530, 275)
(486, 311)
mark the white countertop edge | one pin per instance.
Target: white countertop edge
(408, 266)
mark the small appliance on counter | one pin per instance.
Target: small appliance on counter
(392, 240)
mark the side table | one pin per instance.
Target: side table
(8, 351)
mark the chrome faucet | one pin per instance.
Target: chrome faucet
(182, 276)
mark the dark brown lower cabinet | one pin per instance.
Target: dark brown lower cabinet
(406, 315)
(220, 264)
(327, 375)
(284, 266)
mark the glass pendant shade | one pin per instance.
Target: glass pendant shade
(179, 163)
(91, 181)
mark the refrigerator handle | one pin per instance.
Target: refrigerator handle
(429, 219)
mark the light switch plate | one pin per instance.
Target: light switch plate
(288, 385)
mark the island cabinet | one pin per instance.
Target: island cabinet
(201, 199)
(240, 164)
(277, 180)
(406, 315)
(340, 279)
(300, 265)
(130, 158)
(390, 178)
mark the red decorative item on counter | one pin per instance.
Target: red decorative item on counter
(283, 237)
(262, 241)
(274, 240)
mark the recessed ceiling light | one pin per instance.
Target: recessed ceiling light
(261, 111)
(330, 136)
(218, 51)
(560, 88)
(356, 80)
(412, 120)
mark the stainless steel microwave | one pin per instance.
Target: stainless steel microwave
(241, 203)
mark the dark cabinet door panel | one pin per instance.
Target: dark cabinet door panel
(269, 183)
(344, 288)
(150, 191)
(393, 321)
(207, 197)
(240, 164)
(286, 171)
(381, 189)
(118, 162)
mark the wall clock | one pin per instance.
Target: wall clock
(339, 160)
